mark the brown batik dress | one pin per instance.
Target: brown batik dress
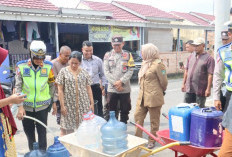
(76, 99)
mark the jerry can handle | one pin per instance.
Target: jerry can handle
(182, 105)
(208, 109)
(186, 105)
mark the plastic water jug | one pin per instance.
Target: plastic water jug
(114, 136)
(57, 149)
(99, 120)
(36, 152)
(88, 133)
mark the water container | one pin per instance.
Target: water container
(179, 121)
(206, 128)
(114, 136)
(99, 120)
(57, 149)
(88, 133)
(36, 152)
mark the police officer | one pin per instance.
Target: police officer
(118, 68)
(34, 77)
(225, 37)
(223, 70)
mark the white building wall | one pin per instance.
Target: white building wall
(162, 38)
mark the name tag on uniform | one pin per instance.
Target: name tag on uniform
(44, 72)
(125, 56)
(26, 72)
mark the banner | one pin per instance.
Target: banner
(128, 33)
(105, 33)
(99, 33)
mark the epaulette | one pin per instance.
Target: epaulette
(126, 51)
(106, 56)
(21, 62)
(48, 62)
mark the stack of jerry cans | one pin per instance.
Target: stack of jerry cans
(206, 128)
(179, 121)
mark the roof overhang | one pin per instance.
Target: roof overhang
(59, 18)
(160, 25)
(151, 18)
(86, 13)
(65, 19)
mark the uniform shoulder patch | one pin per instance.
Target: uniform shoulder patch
(131, 62)
(162, 68)
(163, 72)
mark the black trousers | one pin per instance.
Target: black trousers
(193, 98)
(124, 101)
(29, 128)
(97, 95)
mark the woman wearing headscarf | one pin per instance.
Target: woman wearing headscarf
(75, 94)
(7, 123)
(153, 82)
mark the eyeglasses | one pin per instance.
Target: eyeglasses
(39, 57)
(116, 44)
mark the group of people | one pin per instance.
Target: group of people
(201, 70)
(75, 82)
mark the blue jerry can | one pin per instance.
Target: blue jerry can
(179, 121)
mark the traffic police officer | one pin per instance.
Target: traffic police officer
(225, 37)
(34, 77)
(118, 68)
(222, 72)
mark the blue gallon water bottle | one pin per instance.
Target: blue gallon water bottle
(57, 149)
(114, 136)
(36, 152)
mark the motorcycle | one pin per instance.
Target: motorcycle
(8, 87)
(8, 90)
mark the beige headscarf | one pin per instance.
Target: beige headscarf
(149, 53)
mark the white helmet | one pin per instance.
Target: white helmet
(38, 49)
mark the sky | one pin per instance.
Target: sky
(201, 6)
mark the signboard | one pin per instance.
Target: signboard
(99, 33)
(105, 33)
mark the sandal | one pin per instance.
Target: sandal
(151, 145)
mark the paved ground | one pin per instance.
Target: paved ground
(173, 97)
